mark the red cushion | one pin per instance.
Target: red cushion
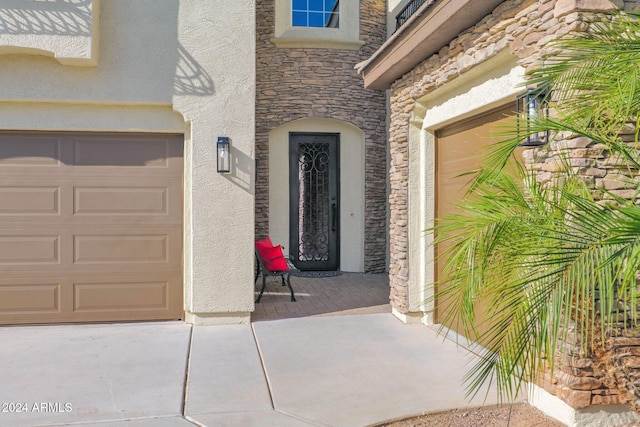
(273, 258)
(266, 243)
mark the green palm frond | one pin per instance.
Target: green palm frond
(594, 78)
(537, 254)
(597, 71)
(542, 259)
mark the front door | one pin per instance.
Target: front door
(314, 200)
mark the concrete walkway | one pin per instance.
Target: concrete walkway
(354, 370)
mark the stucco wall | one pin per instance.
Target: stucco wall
(66, 30)
(161, 70)
(299, 83)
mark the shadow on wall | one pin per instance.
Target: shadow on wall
(142, 61)
(241, 170)
(54, 149)
(191, 78)
(140, 48)
(52, 17)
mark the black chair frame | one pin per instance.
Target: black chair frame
(261, 268)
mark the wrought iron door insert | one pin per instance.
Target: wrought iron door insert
(314, 200)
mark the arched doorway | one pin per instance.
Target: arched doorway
(334, 202)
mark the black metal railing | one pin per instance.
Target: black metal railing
(407, 11)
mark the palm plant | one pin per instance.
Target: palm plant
(546, 259)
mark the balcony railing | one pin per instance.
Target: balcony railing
(409, 10)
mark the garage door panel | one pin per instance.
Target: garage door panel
(82, 249)
(120, 296)
(121, 200)
(116, 248)
(131, 152)
(464, 152)
(126, 296)
(90, 227)
(78, 300)
(29, 249)
(83, 299)
(121, 249)
(31, 152)
(29, 298)
(460, 149)
(29, 200)
(154, 200)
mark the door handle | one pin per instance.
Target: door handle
(334, 217)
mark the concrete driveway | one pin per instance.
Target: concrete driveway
(311, 371)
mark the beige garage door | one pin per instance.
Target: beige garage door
(460, 149)
(90, 227)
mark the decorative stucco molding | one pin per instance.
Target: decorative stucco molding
(64, 29)
(346, 37)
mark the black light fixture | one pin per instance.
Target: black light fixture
(531, 104)
(223, 163)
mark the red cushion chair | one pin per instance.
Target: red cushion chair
(266, 243)
(273, 258)
(272, 262)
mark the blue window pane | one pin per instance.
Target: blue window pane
(299, 4)
(329, 5)
(315, 13)
(315, 5)
(316, 19)
(300, 19)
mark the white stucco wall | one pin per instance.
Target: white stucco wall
(166, 66)
(351, 186)
(66, 30)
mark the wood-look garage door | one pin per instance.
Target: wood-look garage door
(459, 150)
(90, 227)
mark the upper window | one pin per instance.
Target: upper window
(329, 24)
(315, 13)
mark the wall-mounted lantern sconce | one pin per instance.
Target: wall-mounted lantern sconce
(531, 104)
(223, 161)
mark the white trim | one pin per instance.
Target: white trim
(410, 318)
(213, 319)
(420, 197)
(79, 117)
(592, 416)
(486, 86)
(317, 42)
(345, 37)
(551, 405)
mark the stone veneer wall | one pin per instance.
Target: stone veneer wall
(524, 27)
(295, 83)
(599, 377)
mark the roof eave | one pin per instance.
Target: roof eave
(431, 28)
